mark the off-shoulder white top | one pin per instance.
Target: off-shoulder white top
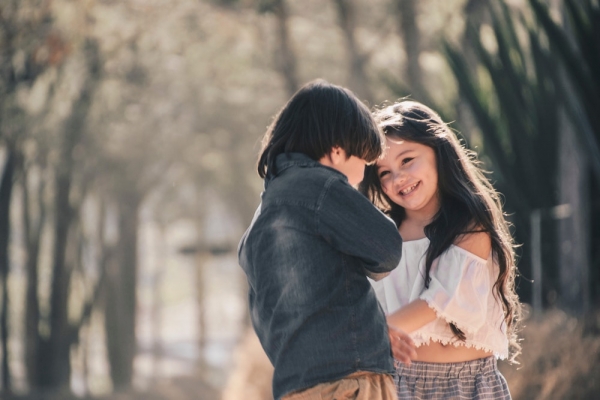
(460, 292)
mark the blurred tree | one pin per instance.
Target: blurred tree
(128, 176)
(120, 309)
(358, 81)
(411, 37)
(409, 82)
(56, 350)
(32, 231)
(475, 14)
(27, 48)
(284, 55)
(5, 196)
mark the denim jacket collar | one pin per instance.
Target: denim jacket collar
(284, 161)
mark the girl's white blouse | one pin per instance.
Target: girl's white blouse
(460, 292)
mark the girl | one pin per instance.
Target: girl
(453, 291)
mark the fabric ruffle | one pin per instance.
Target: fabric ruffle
(460, 293)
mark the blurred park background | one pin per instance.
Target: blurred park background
(129, 131)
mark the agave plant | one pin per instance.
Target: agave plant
(520, 87)
(517, 113)
(579, 52)
(515, 101)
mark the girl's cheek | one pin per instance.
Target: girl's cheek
(384, 186)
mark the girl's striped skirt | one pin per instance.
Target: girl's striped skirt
(477, 379)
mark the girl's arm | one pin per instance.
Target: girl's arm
(418, 313)
(412, 316)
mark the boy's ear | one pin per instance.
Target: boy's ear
(337, 155)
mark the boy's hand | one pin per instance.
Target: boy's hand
(376, 276)
(403, 348)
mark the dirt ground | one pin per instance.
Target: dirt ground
(560, 360)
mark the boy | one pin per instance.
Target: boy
(310, 246)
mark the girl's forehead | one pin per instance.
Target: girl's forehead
(394, 140)
(395, 147)
(403, 144)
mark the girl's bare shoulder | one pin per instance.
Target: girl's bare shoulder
(477, 242)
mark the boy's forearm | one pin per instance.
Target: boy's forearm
(386, 248)
(355, 227)
(412, 316)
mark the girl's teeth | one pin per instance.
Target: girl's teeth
(408, 190)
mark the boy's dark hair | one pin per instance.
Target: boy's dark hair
(318, 117)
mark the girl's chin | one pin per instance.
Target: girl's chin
(410, 206)
(404, 202)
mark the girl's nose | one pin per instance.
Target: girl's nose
(399, 177)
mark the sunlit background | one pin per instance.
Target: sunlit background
(129, 131)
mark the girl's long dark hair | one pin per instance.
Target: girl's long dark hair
(468, 201)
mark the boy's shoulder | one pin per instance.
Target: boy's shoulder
(310, 187)
(306, 178)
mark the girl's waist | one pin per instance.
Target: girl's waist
(437, 352)
(490, 339)
(464, 369)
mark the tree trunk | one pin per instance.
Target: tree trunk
(286, 61)
(56, 352)
(120, 314)
(574, 231)
(474, 14)
(6, 186)
(59, 374)
(358, 81)
(409, 31)
(58, 346)
(32, 309)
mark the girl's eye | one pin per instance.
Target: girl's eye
(383, 173)
(407, 160)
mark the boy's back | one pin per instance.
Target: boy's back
(305, 255)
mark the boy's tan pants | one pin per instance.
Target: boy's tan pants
(360, 385)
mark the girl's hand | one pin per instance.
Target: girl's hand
(403, 348)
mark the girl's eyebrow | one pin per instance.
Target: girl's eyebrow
(403, 153)
(397, 157)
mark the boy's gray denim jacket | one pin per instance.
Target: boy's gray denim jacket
(306, 255)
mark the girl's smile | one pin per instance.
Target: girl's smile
(409, 190)
(408, 175)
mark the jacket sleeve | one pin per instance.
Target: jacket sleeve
(351, 224)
